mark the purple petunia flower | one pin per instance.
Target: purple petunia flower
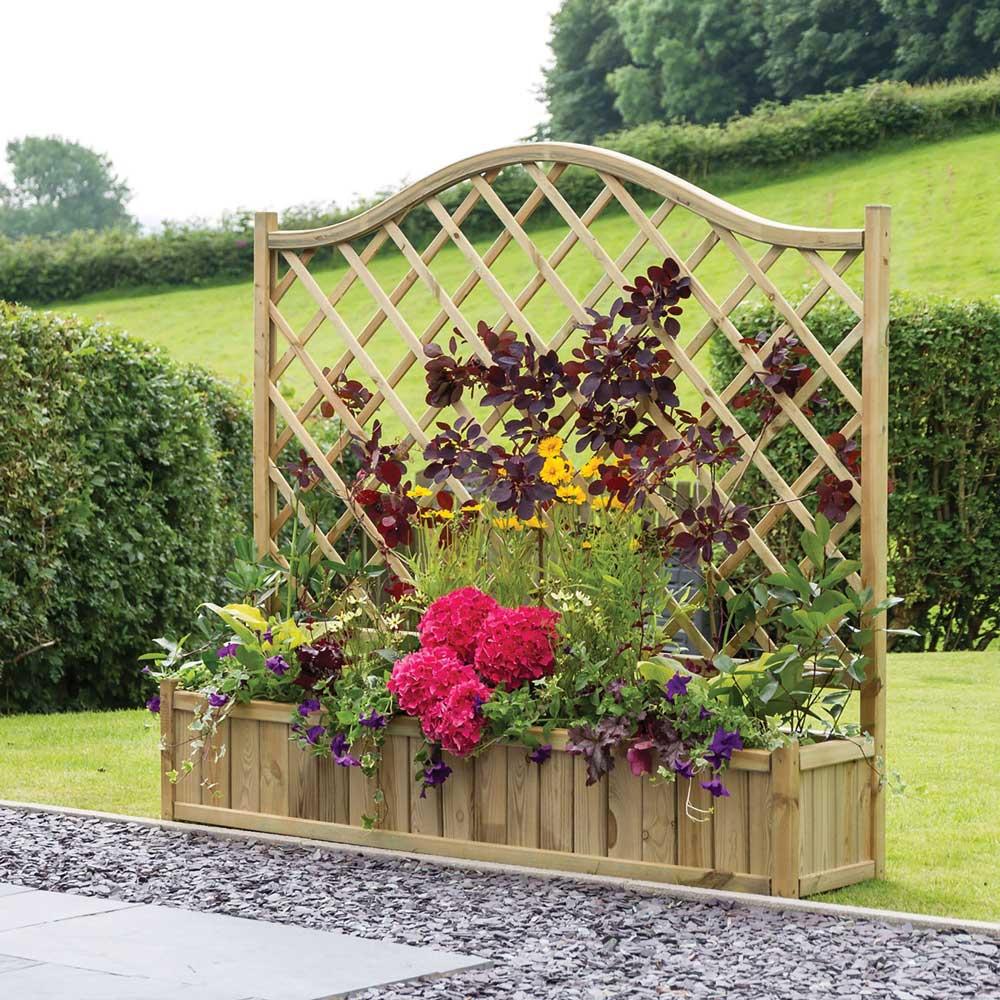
(277, 665)
(266, 636)
(677, 686)
(716, 787)
(217, 700)
(722, 746)
(229, 649)
(684, 768)
(309, 706)
(540, 754)
(435, 774)
(314, 734)
(704, 713)
(339, 750)
(154, 704)
(146, 670)
(373, 721)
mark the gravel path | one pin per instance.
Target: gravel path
(548, 939)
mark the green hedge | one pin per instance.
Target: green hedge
(851, 121)
(46, 270)
(124, 480)
(944, 446)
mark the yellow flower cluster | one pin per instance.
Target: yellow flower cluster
(551, 446)
(418, 492)
(557, 471)
(507, 523)
(571, 494)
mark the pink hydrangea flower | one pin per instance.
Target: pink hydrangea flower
(421, 679)
(454, 620)
(517, 645)
(456, 721)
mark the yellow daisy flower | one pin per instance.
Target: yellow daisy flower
(417, 492)
(571, 494)
(444, 515)
(592, 467)
(507, 523)
(550, 447)
(534, 522)
(471, 508)
(587, 545)
(556, 471)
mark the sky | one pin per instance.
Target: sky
(217, 105)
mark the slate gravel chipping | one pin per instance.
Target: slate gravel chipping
(547, 938)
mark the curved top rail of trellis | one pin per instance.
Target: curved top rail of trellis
(624, 185)
(618, 165)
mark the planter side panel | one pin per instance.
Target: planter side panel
(836, 844)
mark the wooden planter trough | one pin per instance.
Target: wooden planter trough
(797, 821)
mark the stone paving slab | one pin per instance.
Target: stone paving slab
(27, 909)
(50, 981)
(7, 889)
(10, 963)
(238, 957)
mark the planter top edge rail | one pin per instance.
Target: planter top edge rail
(622, 167)
(811, 755)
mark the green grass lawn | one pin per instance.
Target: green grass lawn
(945, 218)
(943, 831)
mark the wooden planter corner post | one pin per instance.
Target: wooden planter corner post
(875, 498)
(800, 819)
(168, 754)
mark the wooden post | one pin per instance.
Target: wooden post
(167, 757)
(264, 268)
(786, 837)
(875, 497)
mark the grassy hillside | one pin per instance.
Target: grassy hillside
(943, 830)
(946, 222)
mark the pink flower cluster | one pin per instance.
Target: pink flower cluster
(468, 638)
(517, 645)
(454, 621)
(445, 694)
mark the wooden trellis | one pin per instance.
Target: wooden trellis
(282, 261)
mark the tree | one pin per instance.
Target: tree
(61, 186)
(939, 40)
(696, 61)
(817, 45)
(587, 46)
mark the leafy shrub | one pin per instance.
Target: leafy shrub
(125, 479)
(944, 448)
(777, 134)
(39, 270)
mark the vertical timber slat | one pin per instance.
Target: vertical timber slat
(216, 791)
(458, 799)
(523, 782)
(590, 812)
(695, 836)
(659, 821)
(394, 780)
(274, 750)
(188, 787)
(491, 796)
(875, 496)
(244, 764)
(555, 809)
(785, 821)
(425, 813)
(624, 812)
(732, 826)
